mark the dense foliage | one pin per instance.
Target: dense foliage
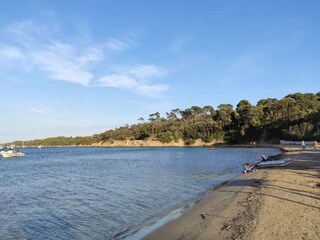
(295, 117)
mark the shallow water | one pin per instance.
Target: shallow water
(107, 193)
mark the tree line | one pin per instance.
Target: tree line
(294, 117)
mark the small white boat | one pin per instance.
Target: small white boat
(11, 153)
(274, 163)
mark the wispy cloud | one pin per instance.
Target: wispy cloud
(28, 35)
(38, 48)
(37, 110)
(137, 79)
(62, 62)
(11, 57)
(152, 90)
(11, 53)
(43, 51)
(116, 44)
(118, 81)
(146, 71)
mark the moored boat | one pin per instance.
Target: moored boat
(274, 163)
(11, 153)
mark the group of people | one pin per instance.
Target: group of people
(315, 145)
(248, 167)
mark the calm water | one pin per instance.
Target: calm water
(107, 193)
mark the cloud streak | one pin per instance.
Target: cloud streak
(116, 44)
(37, 110)
(11, 53)
(62, 62)
(137, 79)
(38, 48)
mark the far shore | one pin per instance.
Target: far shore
(154, 143)
(276, 203)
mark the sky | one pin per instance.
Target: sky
(78, 68)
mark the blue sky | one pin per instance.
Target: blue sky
(76, 68)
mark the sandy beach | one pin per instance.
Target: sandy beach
(274, 203)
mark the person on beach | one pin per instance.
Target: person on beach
(248, 168)
(303, 145)
(315, 144)
(252, 167)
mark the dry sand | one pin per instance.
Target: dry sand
(275, 203)
(153, 143)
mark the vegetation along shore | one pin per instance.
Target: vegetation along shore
(294, 117)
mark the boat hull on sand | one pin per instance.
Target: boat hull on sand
(274, 163)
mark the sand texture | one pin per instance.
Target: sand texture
(152, 143)
(274, 203)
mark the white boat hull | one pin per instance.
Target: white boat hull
(9, 154)
(274, 163)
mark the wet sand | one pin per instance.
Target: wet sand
(274, 203)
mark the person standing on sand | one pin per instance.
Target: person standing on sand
(315, 144)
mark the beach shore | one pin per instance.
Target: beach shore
(275, 203)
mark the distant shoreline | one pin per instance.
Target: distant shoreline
(153, 143)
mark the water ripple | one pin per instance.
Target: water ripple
(106, 193)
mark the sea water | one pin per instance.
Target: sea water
(108, 193)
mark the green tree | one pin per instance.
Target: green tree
(248, 116)
(224, 116)
(154, 117)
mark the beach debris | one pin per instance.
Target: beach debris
(245, 204)
(314, 183)
(226, 227)
(203, 216)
